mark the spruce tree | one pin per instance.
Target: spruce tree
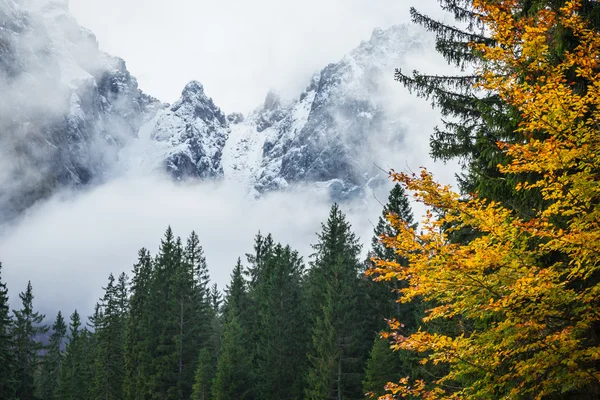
(336, 243)
(191, 287)
(180, 317)
(236, 301)
(473, 121)
(321, 383)
(216, 327)
(75, 371)
(27, 329)
(163, 378)
(138, 331)
(7, 358)
(53, 362)
(198, 308)
(109, 331)
(399, 206)
(384, 300)
(336, 303)
(216, 299)
(234, 378)
(281, 325)
(263, 246)
(194, 257)
(86, 371)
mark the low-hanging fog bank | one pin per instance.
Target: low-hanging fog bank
(68, 245)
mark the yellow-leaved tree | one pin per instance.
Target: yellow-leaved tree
(530, 289)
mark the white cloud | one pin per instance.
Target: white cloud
(238, 49)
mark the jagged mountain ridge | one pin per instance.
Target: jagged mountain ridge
(78, 117)
(332, 133)
(329, 135)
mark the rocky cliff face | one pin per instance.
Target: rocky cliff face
(66, 107)
(332, 134)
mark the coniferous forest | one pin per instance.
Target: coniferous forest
(285, 328)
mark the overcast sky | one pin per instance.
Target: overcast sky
(238, 49)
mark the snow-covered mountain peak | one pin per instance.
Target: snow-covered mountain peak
(193, 91)
(187, 138)
(384, 50)
(194, 103)
(326, 136)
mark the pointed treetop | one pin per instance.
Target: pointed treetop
(75, 324)
(236, 290)
(336, 236)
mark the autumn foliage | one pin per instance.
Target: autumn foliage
(525, 292)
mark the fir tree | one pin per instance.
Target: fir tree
(53, 362)
(216, 299)
(109, 330)
(75, 371)
(336, 297)
(27, 329)
(324, 359)
(138, 330)
(7, 361)
(281, 325)
(233, 378)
